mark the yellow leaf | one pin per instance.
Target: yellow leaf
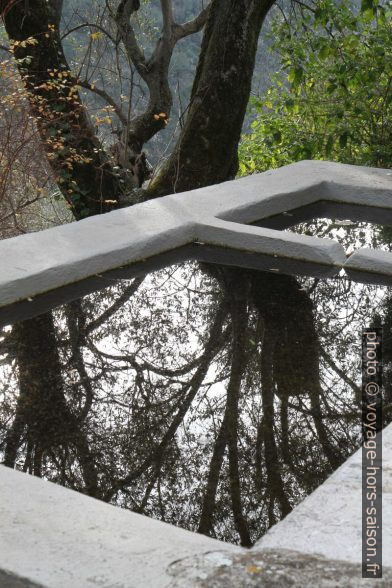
(95, 36)
(254, 569)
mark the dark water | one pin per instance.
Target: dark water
(212, 398)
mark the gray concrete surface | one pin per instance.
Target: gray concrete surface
(58, 538)
(328, 521)
(63, 539)
(219, 215)
(11, 581)
(270, 568)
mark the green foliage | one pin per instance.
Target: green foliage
(332, 97)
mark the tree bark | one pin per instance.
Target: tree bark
(80, 165)
(206, 152)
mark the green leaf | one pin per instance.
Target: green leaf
(277, 135)
(289, 105)
(324, 52)
(343, 139)
(367, 5)
(295, 76)
(329, 145)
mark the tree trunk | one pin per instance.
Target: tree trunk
(206, 152)
(81, 168)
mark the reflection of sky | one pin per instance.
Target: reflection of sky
(165, 325)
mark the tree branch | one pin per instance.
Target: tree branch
(89, 25)
(81, 166)
(155, 71)
(192, 26)
(167, 15)
(135, 54)
(116, 107)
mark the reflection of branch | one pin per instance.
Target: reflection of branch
(161, 371)
(238, 366)
(73, 312)
(284, 423)
(42, 406)
(121, 300)
(208, 507)
(340, 372)
(212, 347)
(149, 489)
(334, 457)
(266, 427)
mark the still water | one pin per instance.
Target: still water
(210, 397)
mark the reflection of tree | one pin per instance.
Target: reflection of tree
(196, 398)
(116, 390)
(42, 411)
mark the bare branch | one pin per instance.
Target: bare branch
(340, 372)
(192, 26)
(89, 25)
(125, 29)
(155, 70)
(121, 300)
(117, 108)
(167, 15)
